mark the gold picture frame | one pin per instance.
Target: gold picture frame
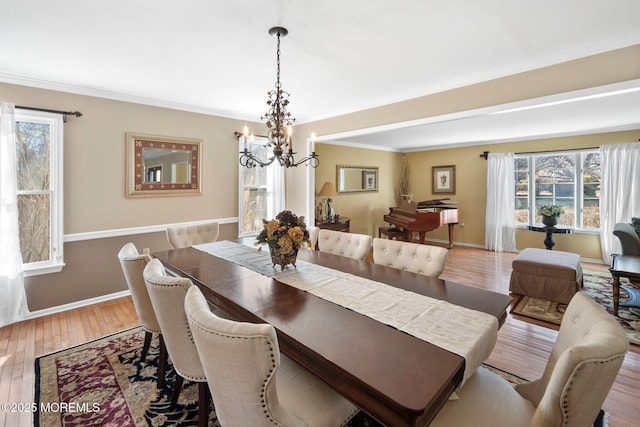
(444, 179)
(162, 165)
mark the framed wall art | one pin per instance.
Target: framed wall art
(444, 179)
(160, 165)
(370, 180)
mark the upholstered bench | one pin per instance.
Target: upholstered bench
(545, 274)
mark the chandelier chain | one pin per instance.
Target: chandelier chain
(278, 84)
(277, 120)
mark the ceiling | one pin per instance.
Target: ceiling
(216, 57)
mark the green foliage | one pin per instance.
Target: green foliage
(550, 210)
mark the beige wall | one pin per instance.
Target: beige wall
(94, 186)
(364, 209)
(471, 191)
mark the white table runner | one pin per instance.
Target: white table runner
(468, 333)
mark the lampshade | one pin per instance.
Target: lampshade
(328, 190)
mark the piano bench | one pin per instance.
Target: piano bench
(392, 233)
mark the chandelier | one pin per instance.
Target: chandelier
(279, 122)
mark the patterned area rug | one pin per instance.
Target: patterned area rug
(597, 284)
(103, 383)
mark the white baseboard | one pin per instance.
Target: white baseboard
(76, 304)
(446, 242)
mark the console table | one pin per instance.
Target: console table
(341, 223)
(548, 241)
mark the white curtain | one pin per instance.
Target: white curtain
(500, 227)
(619, 192)
(275, 183)
(13, 301)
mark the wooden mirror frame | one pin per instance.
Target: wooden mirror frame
(137, 187)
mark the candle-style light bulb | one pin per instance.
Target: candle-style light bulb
(313, 142)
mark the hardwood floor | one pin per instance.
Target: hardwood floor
(522, 346)
(21, 343)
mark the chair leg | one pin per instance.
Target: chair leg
(203, 404)
(147, 343)
(176, 390)
(162, 362)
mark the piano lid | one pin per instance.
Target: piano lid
(407, 206)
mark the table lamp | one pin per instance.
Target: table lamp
(327, 192)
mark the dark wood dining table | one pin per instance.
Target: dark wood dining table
(394, 377)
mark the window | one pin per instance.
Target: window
(39, 144)
(568, 179)
(261, 190)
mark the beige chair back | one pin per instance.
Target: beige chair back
(581, 369)
(252, 384)
(350, 245)
(414, 257)
(167, 295)
(313, 236)
(133, 264)
(189, 235)
(241, 362)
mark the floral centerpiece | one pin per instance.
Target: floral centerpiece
(550, 214)
(285, 235)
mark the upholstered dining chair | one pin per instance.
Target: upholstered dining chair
(582, 367)
(167, 296)
(422, 259)
(349, 245)
(251, 383)
(189, 235)
(313, 236)
(133, 264)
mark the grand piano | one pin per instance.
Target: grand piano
(423, 216)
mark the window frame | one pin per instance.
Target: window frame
(56, 191)
(579, 158)
(274, 201)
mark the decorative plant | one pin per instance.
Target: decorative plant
(550, 210)
(402, 188)
(286, 232)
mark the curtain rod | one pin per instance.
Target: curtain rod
(485, 154)
(46, 110)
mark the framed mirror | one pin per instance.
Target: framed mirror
(356, 179)
(160, 165)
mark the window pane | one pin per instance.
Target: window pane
(33, 219)
(256, 177)
(522, 163)
(591, 191)
(32, 155)
(255, 209)
(555, 185)
(522, 210)
(522, 190)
